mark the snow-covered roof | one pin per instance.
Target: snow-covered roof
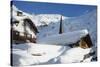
(64, 38)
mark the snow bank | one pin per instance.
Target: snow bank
(75, 55)
(24, 46)
(48, 54)
(36, 53)
(65, 38)
(47, 51)
(21, 57)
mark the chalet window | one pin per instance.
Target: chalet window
(29, 35)
(16, 23)
(19, 13)
(16, 33)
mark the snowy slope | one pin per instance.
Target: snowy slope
(74, 55)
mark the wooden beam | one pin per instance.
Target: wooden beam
(86, 42)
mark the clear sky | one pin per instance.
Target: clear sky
(70, 10)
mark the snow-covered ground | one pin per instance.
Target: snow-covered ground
(46, 50)
(47, 54)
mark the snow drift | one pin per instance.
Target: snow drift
(49, 54)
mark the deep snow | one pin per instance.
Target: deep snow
(49, 54)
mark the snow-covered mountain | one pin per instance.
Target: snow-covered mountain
(48, 18)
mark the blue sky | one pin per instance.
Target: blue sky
(70, 10)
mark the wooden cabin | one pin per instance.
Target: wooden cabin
(23, 31)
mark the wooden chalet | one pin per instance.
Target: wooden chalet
(27, 35)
